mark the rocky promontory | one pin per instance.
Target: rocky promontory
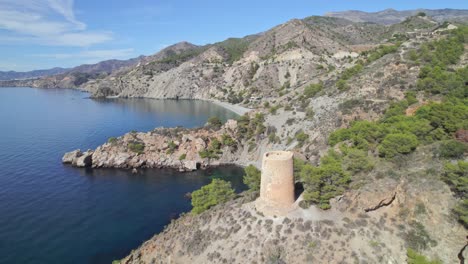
(178, 148)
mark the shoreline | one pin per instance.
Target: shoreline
(240, 110)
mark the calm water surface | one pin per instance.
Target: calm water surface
(52, 213)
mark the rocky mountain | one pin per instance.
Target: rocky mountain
(69, 78)
(13, 75)
(392, 16)
(251, 66)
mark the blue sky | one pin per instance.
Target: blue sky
(38, 34)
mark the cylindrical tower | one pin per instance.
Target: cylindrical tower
(277, 183)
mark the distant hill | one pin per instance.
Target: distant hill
(392, 16)
(14, 75)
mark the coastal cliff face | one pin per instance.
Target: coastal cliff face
(372, 224)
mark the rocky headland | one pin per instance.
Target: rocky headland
(178, 148)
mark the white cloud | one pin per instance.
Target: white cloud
(92, 54)
(47, 22)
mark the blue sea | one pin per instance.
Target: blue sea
(53, 213)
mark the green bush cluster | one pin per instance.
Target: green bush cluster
(171, 147)
(213, 151)
(399, 143)
(234, 47)
(217, 192)
(418, 238)
(252, 177)
(215, 122)
(323, 182)
(301, 138)
(112, 140)
(435, 76)
(381, 51)
(312, 89)
(456, 176)
(452, 149)
(176, 58)
(137, 147)
(373, 55)
(248, 127)
(227, 140)
(397, 133)
(274, 109)
(416, 258)
(356, 160)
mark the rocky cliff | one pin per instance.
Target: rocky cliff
(372, 224)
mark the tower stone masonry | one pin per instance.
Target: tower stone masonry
(277, 183)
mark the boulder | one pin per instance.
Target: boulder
(190, 165)
(84, 160)
(71, 156)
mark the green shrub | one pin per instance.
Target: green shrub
(313, 89)
(356, 160)
(213, 151)
(136, 147)
(217, 192)
(461, 211)
(301, 137)
(381, 51)
(394, 144)
(248, 127)
(325, 181)
(415, 258)
(418, 238)
(112, 140)
(456, 176)
(342, 85)
(215, 122)
(252, 177)
(183, 156)
(411, 97)
(452, 149)
(273, 138)
(274, 109)
(227, 140)
(171, 147)
(310, 113)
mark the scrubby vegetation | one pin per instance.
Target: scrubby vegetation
(371, 56)
(234, 47)
(415, 258)
(213, 151)
(112, 140)
(217, 192)
(325, 181)
(215, 122)
(137, 147)
(312, 90)
(456, 176)
(249, 127)
(252, 177)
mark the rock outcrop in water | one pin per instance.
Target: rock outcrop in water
(78, 158)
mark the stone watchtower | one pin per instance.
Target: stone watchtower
(277, 183)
